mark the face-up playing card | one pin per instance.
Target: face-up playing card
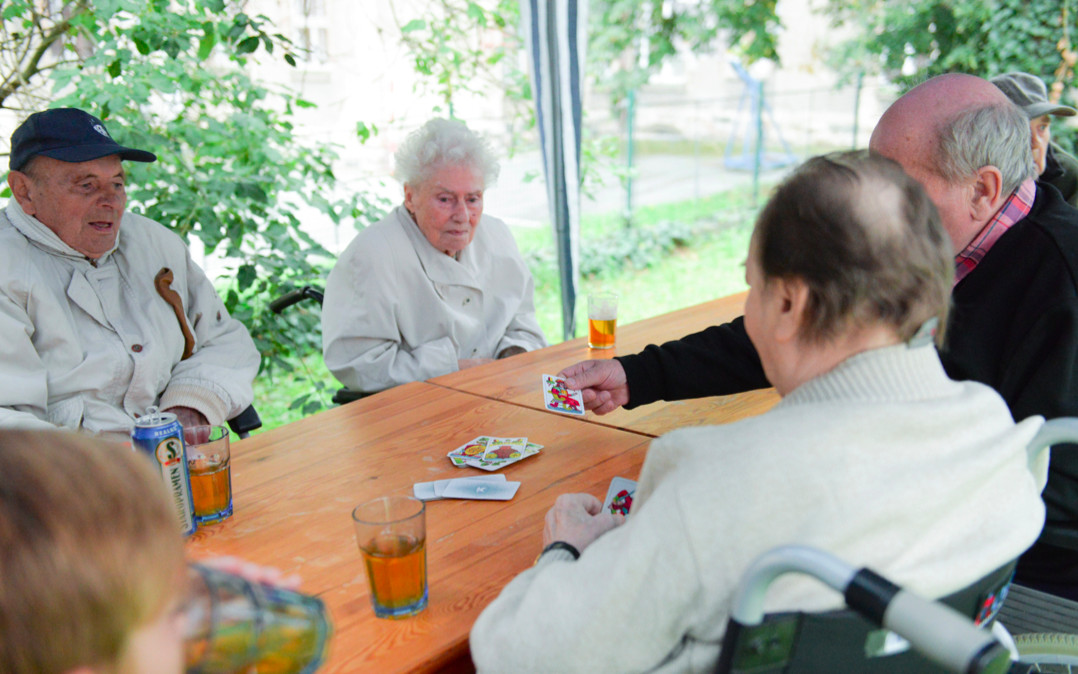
(473, 449)
(481, 490)
(500, 453)
(619, 496)
(558, 397)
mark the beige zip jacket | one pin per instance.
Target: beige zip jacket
(90, 346)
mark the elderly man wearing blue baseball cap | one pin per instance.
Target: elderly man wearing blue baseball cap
(103, 313)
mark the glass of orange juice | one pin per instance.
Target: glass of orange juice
(392, 535)
(602, 320)
(210, 467)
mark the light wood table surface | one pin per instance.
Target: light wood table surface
(295, 486)
(518, 379)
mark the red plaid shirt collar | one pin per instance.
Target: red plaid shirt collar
(1014, 209)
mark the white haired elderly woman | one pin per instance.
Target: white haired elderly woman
(435, 286)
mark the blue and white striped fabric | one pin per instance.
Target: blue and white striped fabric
(556, 35)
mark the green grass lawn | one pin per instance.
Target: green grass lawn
(709, 266)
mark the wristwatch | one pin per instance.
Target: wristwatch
(560, 545)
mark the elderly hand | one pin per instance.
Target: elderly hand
(189, 416)
(265, 575)
(602, 384)
(578, 520)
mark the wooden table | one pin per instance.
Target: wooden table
(518, 379)
(295, 486)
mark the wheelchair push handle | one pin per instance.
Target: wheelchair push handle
(292, 297)
(937, 631)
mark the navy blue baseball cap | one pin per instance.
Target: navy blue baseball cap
(67, 134)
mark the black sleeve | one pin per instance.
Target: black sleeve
(719, 360)
(1040, 379)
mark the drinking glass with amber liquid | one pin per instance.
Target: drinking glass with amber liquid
(209, 465)
(392, 536)
(602, 320)
(235, 625)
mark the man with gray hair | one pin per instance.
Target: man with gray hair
(1014, 323)
(847, 263)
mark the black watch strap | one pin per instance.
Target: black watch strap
(561, 545)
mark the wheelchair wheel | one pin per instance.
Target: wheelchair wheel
(1048, 652)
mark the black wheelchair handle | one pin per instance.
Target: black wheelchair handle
(288, 299)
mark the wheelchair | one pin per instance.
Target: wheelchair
(886, 630)
(343, 395)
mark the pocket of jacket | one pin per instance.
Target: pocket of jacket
(67, 414)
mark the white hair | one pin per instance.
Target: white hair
(440, 143)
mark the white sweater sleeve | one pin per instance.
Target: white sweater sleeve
(623, 606)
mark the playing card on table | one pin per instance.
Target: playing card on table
(558, 397)
(500, 453)
(619, 497)
(473, 449)
(432, 491)
(484, 490)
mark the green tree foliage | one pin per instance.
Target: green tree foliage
(173, 77)
(911, 40)
(630, 39)
(461, 45)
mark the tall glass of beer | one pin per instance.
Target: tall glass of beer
(392, 535)
(602, 320)
(209, 465)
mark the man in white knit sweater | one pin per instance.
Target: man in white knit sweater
(873, 454)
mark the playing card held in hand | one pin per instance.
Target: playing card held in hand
(558, 397)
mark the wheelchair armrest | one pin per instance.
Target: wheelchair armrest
(345, 395)
(246, 421)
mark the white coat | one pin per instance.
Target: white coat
(397, 309)
(90, 345)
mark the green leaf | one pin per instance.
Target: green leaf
(206, 45)
(248, 45)
(245, 276)
(115, 68)
(476, 13)
(364, 132)
(413, 25)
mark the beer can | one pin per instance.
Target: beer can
(160, 436)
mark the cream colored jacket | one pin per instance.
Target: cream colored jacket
(91, 346)
(883, 461)
(398, 310)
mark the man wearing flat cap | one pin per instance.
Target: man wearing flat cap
(1055, 166)
(103, 313)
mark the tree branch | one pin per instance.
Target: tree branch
(32, 59)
